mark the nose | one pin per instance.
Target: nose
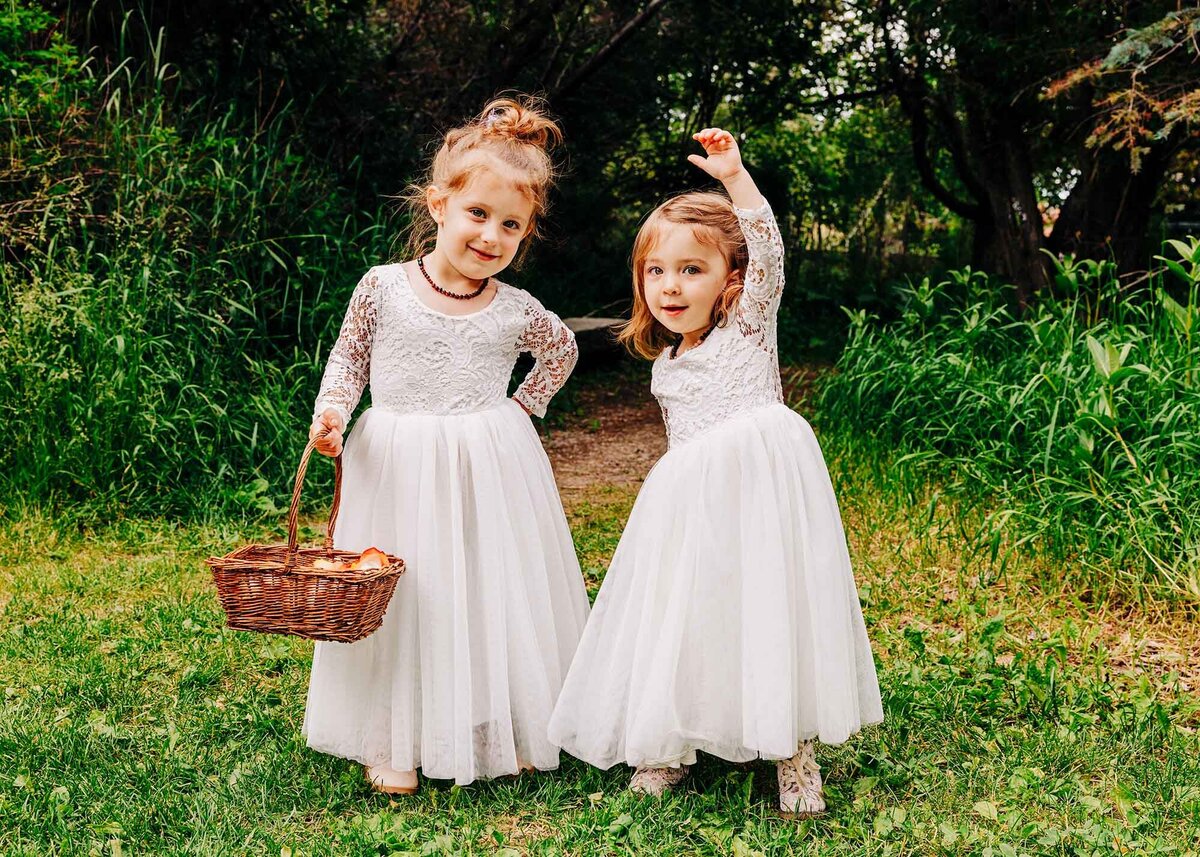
(671, 285)
(491, 234)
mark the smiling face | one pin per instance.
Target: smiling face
(682, 277)
(480, 226)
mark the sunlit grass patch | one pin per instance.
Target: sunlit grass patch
(596, 524)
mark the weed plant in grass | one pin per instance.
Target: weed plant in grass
(1076, 423)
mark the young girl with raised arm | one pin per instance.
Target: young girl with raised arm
(729, 621)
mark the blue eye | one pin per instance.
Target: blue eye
(691, 269)
(512, 224)
(654, 270)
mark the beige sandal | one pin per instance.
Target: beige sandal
(391, 782)
(656, 781)
(801, 793)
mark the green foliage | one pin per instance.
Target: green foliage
(171, 279)
(1077, 423)
(1152, 81)
(175, 266)
(854, 217)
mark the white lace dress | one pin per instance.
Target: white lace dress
(447, 472)
(729, 620)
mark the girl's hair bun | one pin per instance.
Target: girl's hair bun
(514, 132)
(522, 120)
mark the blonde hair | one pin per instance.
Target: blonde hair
(518, 133)
(715, 223)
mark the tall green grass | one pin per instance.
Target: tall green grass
(172, 277)
(1076, 424)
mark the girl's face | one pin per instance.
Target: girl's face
(682, 277)
(480, 227)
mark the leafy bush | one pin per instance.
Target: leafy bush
(170, 282)
(1076, 422)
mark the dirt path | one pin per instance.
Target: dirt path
(613, 440)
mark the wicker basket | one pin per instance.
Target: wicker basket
(275, 589)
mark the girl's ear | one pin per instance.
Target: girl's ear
(733, 279)
(435, 201)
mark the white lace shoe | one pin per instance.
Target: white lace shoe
(655, 781)
(391, 782)
(800, 791)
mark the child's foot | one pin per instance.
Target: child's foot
(800, 792)
(522, 768)
(655, 781)
(392, 782)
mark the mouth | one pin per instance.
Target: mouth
(674, 310)
(483, 257)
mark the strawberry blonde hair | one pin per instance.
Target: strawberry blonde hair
(714, 223)
(516, 133)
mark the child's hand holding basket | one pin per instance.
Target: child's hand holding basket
(318, 593)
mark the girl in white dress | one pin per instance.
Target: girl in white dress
(728, 621)
(446, 471)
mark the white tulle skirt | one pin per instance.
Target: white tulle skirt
(728, 621)
(461, 678)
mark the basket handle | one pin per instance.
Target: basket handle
(294, 510)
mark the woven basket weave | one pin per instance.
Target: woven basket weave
(274, 589)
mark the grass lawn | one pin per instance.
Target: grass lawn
(1019, 720)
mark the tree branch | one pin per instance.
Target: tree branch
(909, 92)
(596, 60)
(845, 98)
(537, 24)
(956, 142)
(920, 147)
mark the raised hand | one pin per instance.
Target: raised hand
(724, 159)
(723, 162)
(330, 421)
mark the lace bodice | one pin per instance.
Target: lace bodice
(736, 369)
(419, 360)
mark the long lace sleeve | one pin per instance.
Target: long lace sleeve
(349, 366)
(553, 346)
(764, 273)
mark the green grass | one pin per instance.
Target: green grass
(1076, 421)
(1017, 722)
(172, 279)
(596, 524)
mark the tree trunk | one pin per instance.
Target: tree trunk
(1008, 237)
(1108, 211)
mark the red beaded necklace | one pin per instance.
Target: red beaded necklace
(679, 341)
(449, 294)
